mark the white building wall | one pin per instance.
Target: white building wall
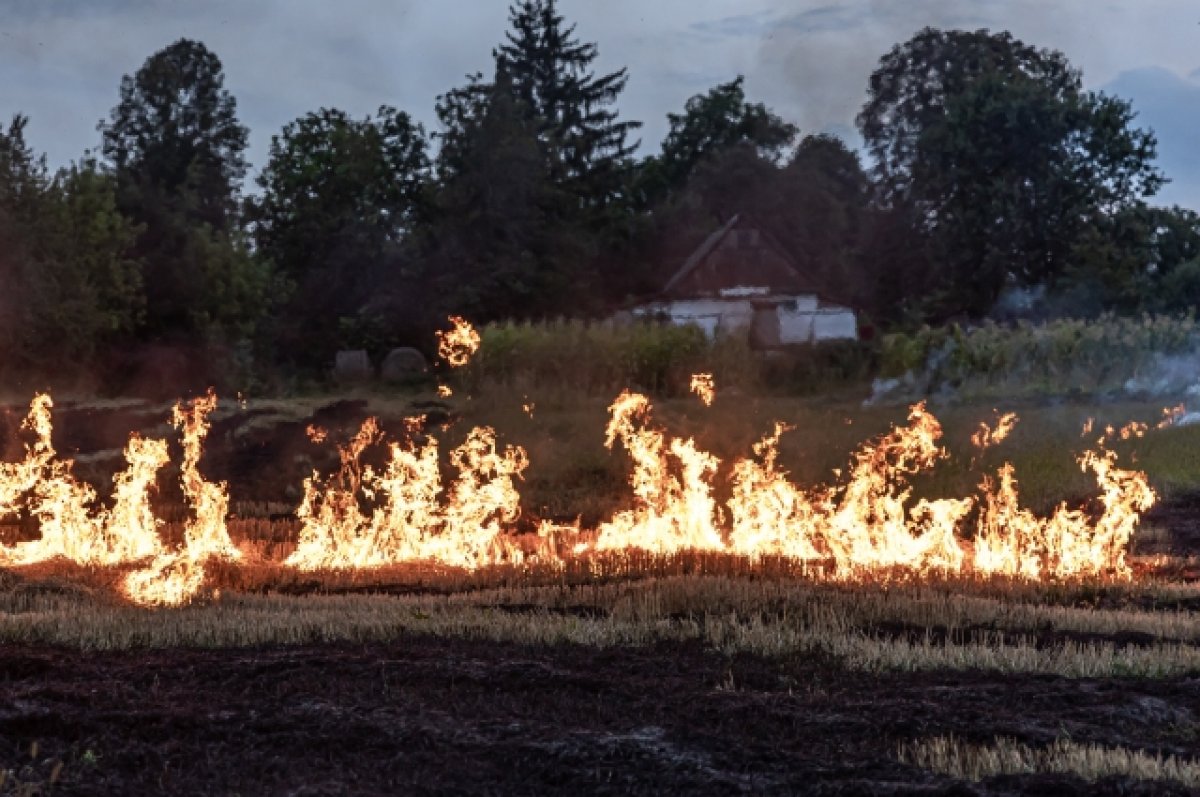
(795, 326)
(712, 315)
(835, 323)
(801, 318)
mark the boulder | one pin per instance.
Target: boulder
(403, 364)
(352, 366)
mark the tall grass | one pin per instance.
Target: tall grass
(657, 358)
(1056, 358)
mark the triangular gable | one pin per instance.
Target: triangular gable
(723, 262)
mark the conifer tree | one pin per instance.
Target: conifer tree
(551, 73)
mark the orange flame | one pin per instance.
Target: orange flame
(987, 436)
(1170, 415)
(703, 386)
(769, 514)
(71, 526)
(174, 578)
(458, 344)
(1012, 541)
(409, 522)
(402, 510)
(670, 512)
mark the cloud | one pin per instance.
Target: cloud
(1169, 104)
(807, 59)
(738, 25)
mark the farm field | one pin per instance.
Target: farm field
(706, 672)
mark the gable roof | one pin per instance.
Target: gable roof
(716, 265)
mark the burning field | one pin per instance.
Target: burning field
(255, 600)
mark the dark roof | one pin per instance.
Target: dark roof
(727, 259)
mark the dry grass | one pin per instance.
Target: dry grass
(906, 628)
(947, 755)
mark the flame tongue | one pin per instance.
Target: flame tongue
(19, 478)
(1068, 543)
(987, 436)
(671, 512)
(205, 534)
(72, 527)
(870, 527)
(704, 387)
(174, 578)
(409, 522)
(770, 515)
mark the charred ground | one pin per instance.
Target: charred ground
(452, 716)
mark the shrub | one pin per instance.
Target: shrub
(658, 358)
(1057, 358)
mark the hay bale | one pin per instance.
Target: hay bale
(351, 367)
(403, 365)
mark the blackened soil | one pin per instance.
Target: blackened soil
(1180, 516)
(430, 716)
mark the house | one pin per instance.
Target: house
(741, 280)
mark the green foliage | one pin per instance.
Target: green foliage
(1007, 162)
(604, 358)
(533, 177)
(339, 197)
(334, 183)
(909, 92)
(176, 148)
(1141, 259)
(711, 124)
(1066, 357)
(506, 241)
(570, 107)
(70, 288)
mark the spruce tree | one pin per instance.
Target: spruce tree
(572, 108)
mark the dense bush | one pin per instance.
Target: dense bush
(1059, 357)
(659, 358)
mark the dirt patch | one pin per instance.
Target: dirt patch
(449, 716)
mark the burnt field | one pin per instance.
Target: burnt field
(427, 715)
(690, 672)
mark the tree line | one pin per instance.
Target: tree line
(990, 172)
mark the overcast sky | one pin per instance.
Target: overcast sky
(62, 60)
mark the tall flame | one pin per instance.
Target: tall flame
(769, 514)
(869, 528)
(19, 478)
(72, 527)
(409, 521)
(1013, 541)
(175, 577)
(671, 512)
